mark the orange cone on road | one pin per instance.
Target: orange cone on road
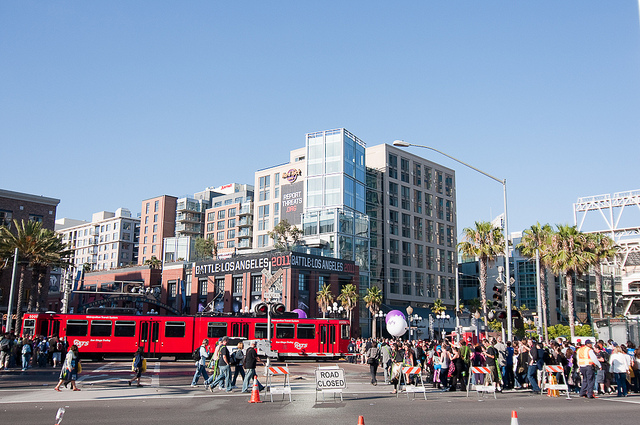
(360, 420)
(255, 392)
(514, 417)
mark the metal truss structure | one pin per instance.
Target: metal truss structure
(611, 209)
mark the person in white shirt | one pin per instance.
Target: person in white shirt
(201, 370)
(620, 364)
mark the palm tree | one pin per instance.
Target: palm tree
(438, 307)
(324, 298)
(602, 247)
(485, 242)
(536, 238)
(568, 254)
(373, 300)
(348, 298)
(27, 241)
(51, 252)
(154, 263)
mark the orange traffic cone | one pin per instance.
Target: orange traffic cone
(514, 417)
(360, 420)
(255, 393)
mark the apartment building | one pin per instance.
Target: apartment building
(157, 221)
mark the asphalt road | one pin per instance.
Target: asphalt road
(167, 398)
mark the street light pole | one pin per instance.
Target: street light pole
(402, 143)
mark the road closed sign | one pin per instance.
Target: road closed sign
(330, 379)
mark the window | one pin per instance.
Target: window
(232, 212)
(155, 228)
(404, 170)
(231, 223)
(174, 330)
(303, 282)
(406, 254)
(417, 174)
(306, 331)
(155, 218)
(394, 249)
(202, 287)
(406, 226)
(406, 198)
(77, 327)
(216, 329)
(220, 235)
(237, 284)
(406, 282)
(345, 331)
(146, 208)
(35, 218)
(393, 166)
(231, 244)
(285, 331)
(260, 331)
(393, 222)
(393, 194)
(256, 283)
(231, 234)
(394, 281)
(221, 214)
(156, 205)
(124, 328)
(101, 328)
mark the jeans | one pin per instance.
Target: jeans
(507, 376)
(373, 370)
(532, 375)
(238, 371)
(248, 380)
(200, 370)
(621, 382)
(26, 359)
(223, 377)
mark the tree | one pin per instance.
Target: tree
(285, 235)
(206, 249)
(603, 248)
(474, 305)
(50, 252)
(373, 300)
(324, 298)
(568, 254)
(36, 246)
(536, 238)
(484, 242)
(348, 298)
(153, 262)
(438, 307)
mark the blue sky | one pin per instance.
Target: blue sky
(106, 103)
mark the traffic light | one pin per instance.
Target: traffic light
(501, 315)
(498, 296)
(277, 309)
(261, 309)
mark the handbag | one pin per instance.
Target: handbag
(79, 367)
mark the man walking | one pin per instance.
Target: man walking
(250, 362)
(587, 362)
(224, 364)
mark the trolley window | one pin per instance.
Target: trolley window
(240, 330)
(345, 332)
(174, 329)
(77, 327)
(260, 331)
(306, 331)
(101, 328)
(29, 327)
(124, 328)
(285, 331)
(216, 329)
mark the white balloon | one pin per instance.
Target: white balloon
(397, 326)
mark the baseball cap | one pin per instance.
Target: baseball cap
(588, 342)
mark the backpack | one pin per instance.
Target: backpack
(196, 354)
(26, 349)
(232, 359)
(5, 345)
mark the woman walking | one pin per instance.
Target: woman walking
(69, 372)
(237, 358)
(137, 366)
(373, 359)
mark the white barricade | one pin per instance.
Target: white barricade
(286, 384)
(551, 370)
(330, 379)
(408, 388)
(487, 386)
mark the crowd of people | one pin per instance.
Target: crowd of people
(28, 352)
(589, 369)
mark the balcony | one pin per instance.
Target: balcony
(245, 221)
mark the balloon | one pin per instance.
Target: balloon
(394, 313)
(397, 326)
(301, 313)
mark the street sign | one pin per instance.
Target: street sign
(330, 379)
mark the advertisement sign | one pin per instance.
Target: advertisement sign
(292, 202)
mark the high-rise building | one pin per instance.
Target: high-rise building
(411, 206)
(157, 221)
(107, 242)
(229, 220)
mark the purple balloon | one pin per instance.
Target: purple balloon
(394, 313)
(301, 313)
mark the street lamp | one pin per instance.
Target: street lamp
(379, 315)
(442, 316)
(413, 318)
(402, 143)
(335, 309)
